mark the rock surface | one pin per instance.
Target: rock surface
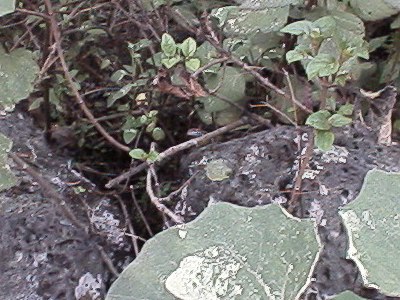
(43, 256)
(263, 168)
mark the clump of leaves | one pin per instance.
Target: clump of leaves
(174, 53)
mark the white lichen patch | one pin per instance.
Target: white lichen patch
(310, 174)
(335, 155)
(207, 275)
(106, 222)
(89, 287)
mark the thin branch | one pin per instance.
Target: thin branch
(174, 150)
(155, 200)
(209, 64)
(129, 225)
(141, 214)
(57, 38)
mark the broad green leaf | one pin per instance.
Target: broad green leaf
(372, 222)
(294, 55)
(6, 7)
(189, 47)
(327, 26)
(240, 22)
(129, 135)
(192, 64)
(119, 94)
(230, 83)
(228, 252)
(218, 170)
(138, 154)
(396, 23)
(168, 45)
(141, 44)
(375, 10)
(319, 120)
(18, 71)
(261, 4)
(158, 134)
(206, 52)
(324, 139)
(347, 296)
(118, 75)
(170, 61)
(321, 66)
(338, 120)
(298, 28)
(7, 178)
(346, 110)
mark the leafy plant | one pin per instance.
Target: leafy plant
(323, 121)
(174, 53)
(224, 255)
(372, 221)
(17, 75)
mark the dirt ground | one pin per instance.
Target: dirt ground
(45, 256)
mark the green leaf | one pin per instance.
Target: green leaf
(141, 44)
(347, 296)
(152, 156)
(324, 140)
(223, 254)
(7, 178)
(294, 55)
(138, 153)
(17, 74)
(170, 62)
(338, 120)
(217, 170)
(346, 110)
(129, 135)
(119, 94)
(158, 134)
(326, 25)
(6, 7)
(189, 47)
(240, 22)
(375, 10)
(372, 222)
(118, 75)
(322, 65)
(319, 120)
(168, 45)
(298, 28)
(230, 83)
(192, 64)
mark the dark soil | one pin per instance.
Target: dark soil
(43, 255)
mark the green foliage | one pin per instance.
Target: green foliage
(217, 257)
(323, 121)
(147, 121)
(372, 221)
(175, 53)
(140, 154)
(347, 296)
(7, 178)
(6, 7)
(17, 75)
